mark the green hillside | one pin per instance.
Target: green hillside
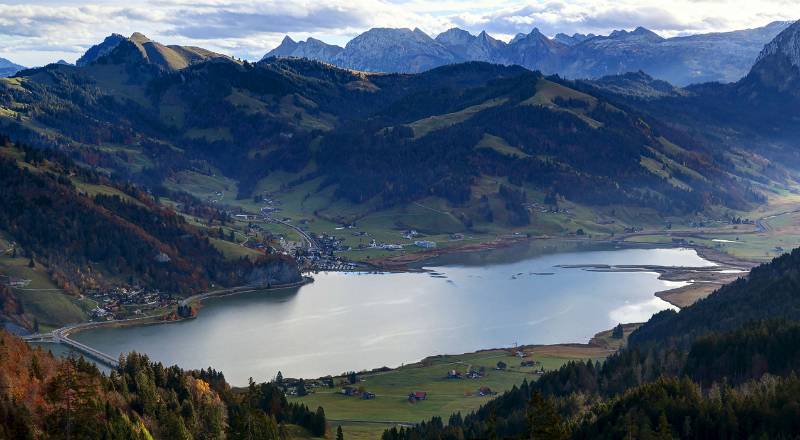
(339, 146)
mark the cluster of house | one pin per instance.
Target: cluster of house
(355, 392)
(329, 244)
(385, 246)
(544, 209)
(473, 373)
(529, 363)
(112, 301)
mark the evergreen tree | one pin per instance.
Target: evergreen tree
(618, 332)
(318, 424)
(544, 423)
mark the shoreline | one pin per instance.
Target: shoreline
(414, 263)
(680, 296)
(703, 280)
(194, 299)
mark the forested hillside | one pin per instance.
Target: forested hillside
(380, 140)
(43, 397)
(757, 113)
(89, 231)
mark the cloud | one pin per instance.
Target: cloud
(35, 31)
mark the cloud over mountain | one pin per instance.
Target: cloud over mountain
(40, 31)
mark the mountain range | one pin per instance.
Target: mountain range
(723, 57)
(8, 68)
(161, 115)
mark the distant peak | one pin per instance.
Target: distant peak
(638, 32)
(645, 32)
(101, 49)
(455, 30)
(288, 40)
(421, 34)
(140, 38)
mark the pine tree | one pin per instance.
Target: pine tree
(543, 420)
(318, 425)
(618, 332)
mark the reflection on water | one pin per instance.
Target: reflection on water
(344, 321)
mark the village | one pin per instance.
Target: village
(126, 302)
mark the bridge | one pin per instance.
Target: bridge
(61, 336)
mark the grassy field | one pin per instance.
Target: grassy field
(427, 125)
(233, 251)
(319, 211)
(368, 418)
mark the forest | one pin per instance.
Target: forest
(90, 241)
(44, 397)
(313, 120)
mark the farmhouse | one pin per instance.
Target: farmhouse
(453, 374)
(417, 396)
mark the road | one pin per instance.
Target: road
(312, 245)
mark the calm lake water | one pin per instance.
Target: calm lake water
(345, 322)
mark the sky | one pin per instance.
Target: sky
(37, 32)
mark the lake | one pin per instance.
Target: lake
(353, 321)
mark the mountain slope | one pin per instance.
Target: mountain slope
(318, 123)
(47, 397)
(769, 292)
(90, 231)
(778, 65)
(138, 48)
(7, 68)
(757, 113)
(312, 49)
(100, 50)
(393, 50)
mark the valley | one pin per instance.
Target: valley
(440, 243)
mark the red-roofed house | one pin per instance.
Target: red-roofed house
(418, 395)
